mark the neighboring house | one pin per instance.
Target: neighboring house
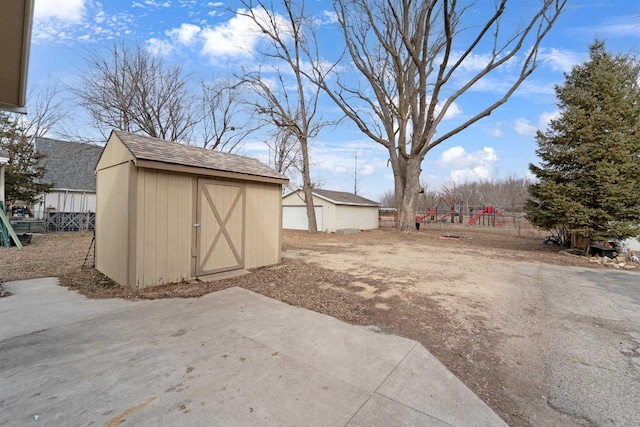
(335, 210)
(70, 167)
(4, 160)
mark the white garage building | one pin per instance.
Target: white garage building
(335, 210)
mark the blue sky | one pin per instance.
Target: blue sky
(209, 40)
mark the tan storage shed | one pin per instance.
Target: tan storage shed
(168, 212)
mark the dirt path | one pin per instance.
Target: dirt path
(468, 308)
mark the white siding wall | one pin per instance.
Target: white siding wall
(329, 211)
(295, 218)
(358, 217)
(292, 219)
(65, 201)
(632, 244)
(334, 217)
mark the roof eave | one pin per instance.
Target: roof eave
(335, 202)
(173, 167)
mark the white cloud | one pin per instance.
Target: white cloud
(367, 170)
(531, 87)
(59, 22)
(185, 34)
(621, 30)
(215, 5)
(159, 47)
(453, 111)
(480, 165)
(331, 166)
(60, 10)
(495, 131)
(238, 36)
(328, 17)
(524, 127)
(561, 59)
(545, 118)
(154, 3)
(617, 26)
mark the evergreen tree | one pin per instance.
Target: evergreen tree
(24, 169)
(589, 173)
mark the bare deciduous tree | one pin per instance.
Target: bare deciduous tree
(131, 90)
(284, 151)
(388, 200)
(508, 194)
(17, 136)
(285, 96)
(223, 109)
(411, 72)
(45, 111)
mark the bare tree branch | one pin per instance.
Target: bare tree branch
(225, 124)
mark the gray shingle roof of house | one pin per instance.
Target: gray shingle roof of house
(158, 150)
(4, 154)
(69, 165)
(342, 198)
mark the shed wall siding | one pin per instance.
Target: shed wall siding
(112, 231)
(113, 154)
(164, 223)
(359, 217)
(263, 224)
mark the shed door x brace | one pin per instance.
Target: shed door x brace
(220, 227)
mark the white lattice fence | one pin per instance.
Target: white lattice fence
(71, 221)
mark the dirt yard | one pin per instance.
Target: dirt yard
(459, 297)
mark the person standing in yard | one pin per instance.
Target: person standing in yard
(418, 221)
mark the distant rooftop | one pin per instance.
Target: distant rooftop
(69, 165)
(342, 198)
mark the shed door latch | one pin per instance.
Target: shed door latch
(196, 225)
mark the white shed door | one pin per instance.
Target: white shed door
(295, 217)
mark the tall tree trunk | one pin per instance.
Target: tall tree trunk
(407, 192)
(307, 188)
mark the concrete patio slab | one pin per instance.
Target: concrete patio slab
(228, 358)
(423, 383)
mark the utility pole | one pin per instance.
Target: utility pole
(355, 172)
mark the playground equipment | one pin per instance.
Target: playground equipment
(488, 217)
(448, 215)
(6, 231)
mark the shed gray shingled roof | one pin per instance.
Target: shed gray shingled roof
(69, 165)
(158, 150)
(342, 198)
